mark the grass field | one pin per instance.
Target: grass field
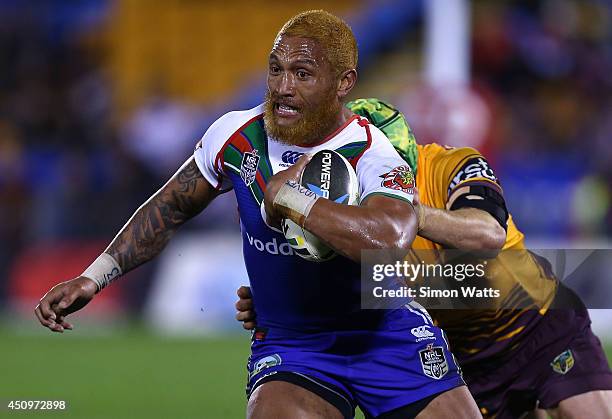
(131, 374)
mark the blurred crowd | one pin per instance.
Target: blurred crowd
(72, 168)
(545, 66)
(60, 169)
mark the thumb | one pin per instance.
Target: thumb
(303, 161)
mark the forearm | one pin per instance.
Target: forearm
(466, 229)
(350, 229)
(152, 226)
(145, 235)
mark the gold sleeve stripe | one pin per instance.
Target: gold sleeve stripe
(506, 324)
(510, 335)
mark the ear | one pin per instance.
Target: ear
(346, 83)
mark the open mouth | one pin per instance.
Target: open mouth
(285, 111)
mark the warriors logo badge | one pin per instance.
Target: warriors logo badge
(400, 179)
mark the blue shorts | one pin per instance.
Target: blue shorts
(378, 370)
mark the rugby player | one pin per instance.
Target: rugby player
(320, 355)
(540, 354)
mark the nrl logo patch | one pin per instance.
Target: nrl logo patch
(248, 167)
(433, 361)
(400, 179)
(563, 362)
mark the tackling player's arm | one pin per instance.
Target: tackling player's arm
(142, 238)
(380, 222)
(465, 228)
(475, 216)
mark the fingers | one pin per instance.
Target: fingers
(45, 307)
(244, 292)
(49, 310)
(62, 322)
(58, 328)
(51, 323)
(245, 316)
(244, 304)
(41, 318)
(302, 162)
(246, 299)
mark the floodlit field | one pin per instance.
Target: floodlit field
(131, 374)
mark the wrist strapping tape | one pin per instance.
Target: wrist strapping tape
(296, 200)
(103, 271)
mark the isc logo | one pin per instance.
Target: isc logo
(290, 157)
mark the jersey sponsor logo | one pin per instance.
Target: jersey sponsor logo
(563, 362)
(290, 157)
(248, 167)
(400, 179)
(433, 361)
(265, 363)
(422, 333)
(476, 167)
(272, 247)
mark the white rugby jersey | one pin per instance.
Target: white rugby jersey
(290, 292)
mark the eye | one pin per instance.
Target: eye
(274, 69)
(302, 74)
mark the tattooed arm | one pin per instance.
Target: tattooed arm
(185, 195)
(142, 238)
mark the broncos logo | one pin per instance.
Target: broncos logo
(563, 362)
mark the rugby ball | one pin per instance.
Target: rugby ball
(331, 176)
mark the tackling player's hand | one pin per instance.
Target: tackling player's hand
(246, 310)
(419, 209)
(274, 184)
(63, 299)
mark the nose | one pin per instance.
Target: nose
(286, 85)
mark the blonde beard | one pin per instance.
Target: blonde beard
(312, 127)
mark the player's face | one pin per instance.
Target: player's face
(302, 104)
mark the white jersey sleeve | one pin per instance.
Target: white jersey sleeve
(382, 171)
(208, 149)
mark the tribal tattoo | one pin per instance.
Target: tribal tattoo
(145, 235)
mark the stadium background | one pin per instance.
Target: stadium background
(101, 100)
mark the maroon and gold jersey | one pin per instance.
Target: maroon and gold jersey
(527, 287)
